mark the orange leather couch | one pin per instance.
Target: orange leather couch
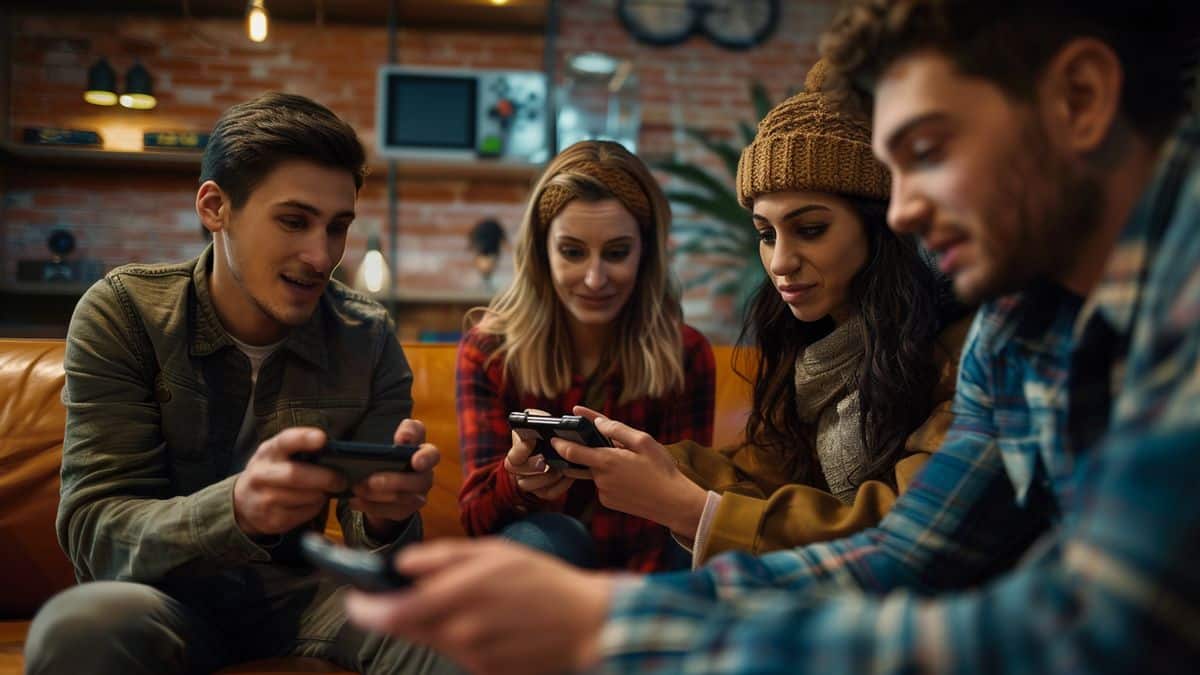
(33, 567)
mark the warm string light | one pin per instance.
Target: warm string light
(256, 21)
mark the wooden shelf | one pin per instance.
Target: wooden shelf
(181, 161)
(448, 297)
(67, 157)
(480, 169)
(67, 289)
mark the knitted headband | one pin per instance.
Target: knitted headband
(807, 143)
(623, 186)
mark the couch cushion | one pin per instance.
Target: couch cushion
(433, 404)
(31, 435)
(12, 639)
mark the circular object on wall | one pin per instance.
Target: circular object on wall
(60, 242)
(740, 24)
(659, 22)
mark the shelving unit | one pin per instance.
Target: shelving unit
(49, 288)
(30, 308)
(74, 157)
(188, 161)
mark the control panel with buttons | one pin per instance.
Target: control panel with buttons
(465, 114)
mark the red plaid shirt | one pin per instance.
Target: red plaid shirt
(489, 498)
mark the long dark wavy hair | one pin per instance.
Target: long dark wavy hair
(903, 304)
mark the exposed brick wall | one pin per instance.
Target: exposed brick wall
(200, 69)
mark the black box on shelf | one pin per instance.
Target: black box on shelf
(174, 140)
(56, 271)
(56, 136)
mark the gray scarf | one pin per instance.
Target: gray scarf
(827, 399)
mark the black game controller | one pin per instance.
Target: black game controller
(356, 461)
(539, 429)
(365, 570)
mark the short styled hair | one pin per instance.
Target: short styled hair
(252, 138)
(1009, 43)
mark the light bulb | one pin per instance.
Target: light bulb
(98, 97)
(256, 21)
(373, 272)
(138, 101)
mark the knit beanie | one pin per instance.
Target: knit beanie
(807, 143)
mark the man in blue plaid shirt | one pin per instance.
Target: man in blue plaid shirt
(1044, 151)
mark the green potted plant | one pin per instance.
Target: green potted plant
(714, 226)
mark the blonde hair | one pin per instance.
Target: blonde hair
(531, 321)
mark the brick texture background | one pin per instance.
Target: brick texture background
(120, 215)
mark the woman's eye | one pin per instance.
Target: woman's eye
(811, 231)
(924, 150)
(571, 253)
(616, 254)
(767, 236)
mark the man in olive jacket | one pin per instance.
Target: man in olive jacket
(189, 389)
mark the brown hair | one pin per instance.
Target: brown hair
(528, 316)
(252, 138)
(1009, 43)
(903, 304)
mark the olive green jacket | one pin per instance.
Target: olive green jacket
(761, 510)
(155, 394)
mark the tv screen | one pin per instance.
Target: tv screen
(430, 111)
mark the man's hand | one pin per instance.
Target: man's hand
(275, 493)
(492, 606)
(388, 498)
(531, 472)
(638, 476)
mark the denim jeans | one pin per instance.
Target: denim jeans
(568, 539)
(558, 534)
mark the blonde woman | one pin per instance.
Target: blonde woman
(591, 318)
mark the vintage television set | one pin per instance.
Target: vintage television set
(462, 114)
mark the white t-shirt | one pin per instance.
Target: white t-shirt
(246, 442)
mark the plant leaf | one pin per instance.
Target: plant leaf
(699, 177)
(748, 132)
(704, 277)
(694, 232)
(701, 229)
(710, 247)
(722, 210)
(760, 98)
(728, 154)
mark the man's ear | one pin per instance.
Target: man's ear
(1080, 94)
(212, 205)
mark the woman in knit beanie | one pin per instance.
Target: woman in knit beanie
(852, 381)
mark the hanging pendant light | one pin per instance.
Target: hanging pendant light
(373, 275)
(257, 20)
(101, 84)
(139, 88)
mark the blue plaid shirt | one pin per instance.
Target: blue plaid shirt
(1058, 529)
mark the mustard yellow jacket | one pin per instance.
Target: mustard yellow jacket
(760, 510)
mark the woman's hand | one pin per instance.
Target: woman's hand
(531, 472)
(638, 476)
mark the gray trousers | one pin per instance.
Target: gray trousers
(113, 627)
